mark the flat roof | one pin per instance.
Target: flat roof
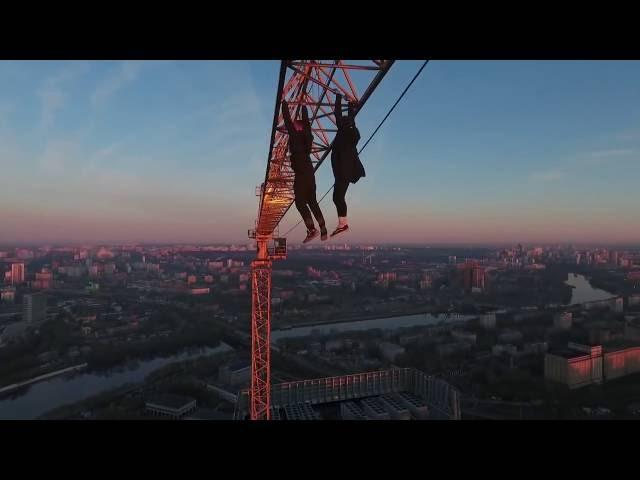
(617, 346)
(169, 400)
(239, 364)
(569, 353)
(209, 414)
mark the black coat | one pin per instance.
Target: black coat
(345, 161)
(300, 142)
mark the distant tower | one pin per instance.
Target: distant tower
(613, 257)
(473, 275)
(34, 308)
(17, 273)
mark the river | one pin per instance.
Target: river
(583, 292)
(59, 391)
(390, 323)
(56, 392)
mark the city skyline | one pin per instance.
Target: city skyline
(171, 152)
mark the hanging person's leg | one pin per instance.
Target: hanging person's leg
(302, 190)
(301, 204)
(339, 193)
(315, 208)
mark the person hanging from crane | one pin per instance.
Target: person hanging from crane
(304, 184)
(345, 161)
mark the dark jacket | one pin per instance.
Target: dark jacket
(300, 143)
(345, 161)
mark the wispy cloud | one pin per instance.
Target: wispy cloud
(52, 100)
(548, 176)
(582, 161)
(627, 135)
(5, 111)
(600, 157)
(126, 73)
(611, 153)
(55, 156)
(52, 94)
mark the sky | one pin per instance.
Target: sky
(476, 152)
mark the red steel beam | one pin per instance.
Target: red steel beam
(297, 78)
(277, 195)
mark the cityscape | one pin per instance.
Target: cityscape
(132, 331)
(389, 240)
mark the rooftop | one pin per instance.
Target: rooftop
(619, 345)
(325, 395)
(208, 414)
(170, 400)
(568, 353)
(239, 364)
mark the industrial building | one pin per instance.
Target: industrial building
(172, 406)
(34, 308)
(374, 409)
(398, 393)
(300, 411)
(236, 373)
(352, 411)
(397, 411)
(417, 406)
(582, 365)
(576, 366)
(621, 361)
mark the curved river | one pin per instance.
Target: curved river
(583, 292)
(56, 392)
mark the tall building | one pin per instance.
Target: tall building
(613, 257)
(17, 273)
(34, 308)
(473, 275)
(488, 321)
(44, 279)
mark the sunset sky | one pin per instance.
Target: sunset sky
(477, 151)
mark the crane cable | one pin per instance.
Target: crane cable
(372, 135)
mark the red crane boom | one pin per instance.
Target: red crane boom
(314, 84)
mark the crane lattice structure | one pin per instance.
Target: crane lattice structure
(315, 85)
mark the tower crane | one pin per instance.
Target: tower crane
(314, 84)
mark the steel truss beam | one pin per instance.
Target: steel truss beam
(314, 84)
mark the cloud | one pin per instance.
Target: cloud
(628, 135)
(5, 111)
(52, 100)
(58, 156)
(12, 156)
(548, 176)
(611, 153)
(126, 74)
(600, 157)
(52, 95)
